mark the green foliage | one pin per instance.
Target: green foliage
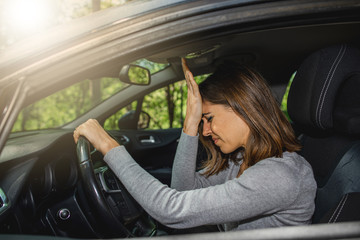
(152, 66)
(138, 75)
(283, 105)
(66, 105)
(165, 106)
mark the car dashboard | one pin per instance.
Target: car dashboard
(41, 193)
(38, 170)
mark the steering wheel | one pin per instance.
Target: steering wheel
(110, 225)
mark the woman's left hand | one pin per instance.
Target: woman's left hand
(193, 103)
(96, 135)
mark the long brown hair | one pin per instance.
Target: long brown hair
(247, 93)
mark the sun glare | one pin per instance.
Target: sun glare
(27, 16)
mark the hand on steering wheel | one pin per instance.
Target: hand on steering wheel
(96, 135)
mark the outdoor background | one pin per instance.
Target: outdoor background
(22, 18)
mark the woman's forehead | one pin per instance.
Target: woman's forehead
(210, 108)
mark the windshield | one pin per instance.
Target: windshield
(68, 104)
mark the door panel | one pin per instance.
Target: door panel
(154, 150)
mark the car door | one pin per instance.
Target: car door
(150, 128)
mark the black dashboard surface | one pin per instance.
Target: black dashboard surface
(36, 168)
(27, 143)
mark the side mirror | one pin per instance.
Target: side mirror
(135, 75)
(127, 121)
(144, 120)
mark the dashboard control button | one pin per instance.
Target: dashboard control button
(64, 214)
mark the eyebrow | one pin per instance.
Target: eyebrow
(204, 114)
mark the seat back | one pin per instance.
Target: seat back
(324, 105)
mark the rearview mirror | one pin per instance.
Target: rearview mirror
(135, 75)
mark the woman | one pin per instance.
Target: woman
(253, 177)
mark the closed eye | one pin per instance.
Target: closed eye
(207, 116)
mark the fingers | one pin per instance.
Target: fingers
(186, 73)
(82, 129)
(76, 135)
(190, 81)
(96, 135)
(184, 66)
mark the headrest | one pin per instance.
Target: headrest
(325, 93)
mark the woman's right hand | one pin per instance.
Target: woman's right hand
(96, 135)
(193, 104)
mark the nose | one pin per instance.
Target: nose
(206, 129)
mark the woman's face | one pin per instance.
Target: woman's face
(227, 130)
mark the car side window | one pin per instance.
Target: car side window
(166, 106)
(161, 109)
(66, 105)
(283, 105)
(112, 123)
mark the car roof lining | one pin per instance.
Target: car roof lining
(265, 50)
(257, 49)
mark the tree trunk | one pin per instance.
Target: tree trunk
(170, 103)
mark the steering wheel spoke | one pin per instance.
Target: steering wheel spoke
(122, 203)
(106, 219)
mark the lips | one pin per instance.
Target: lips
(215, 140)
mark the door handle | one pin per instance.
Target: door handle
(147, 139)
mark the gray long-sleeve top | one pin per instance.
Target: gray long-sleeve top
(274, 192)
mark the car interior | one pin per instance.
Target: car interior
(322, 103)
(49, 187)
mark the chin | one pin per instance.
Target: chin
(226, 150)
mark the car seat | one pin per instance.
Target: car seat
(324, 105)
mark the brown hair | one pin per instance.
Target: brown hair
(247, 93)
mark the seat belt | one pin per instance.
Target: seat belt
(344, 179)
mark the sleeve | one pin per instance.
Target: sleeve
(184, 175)
(235, 200)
